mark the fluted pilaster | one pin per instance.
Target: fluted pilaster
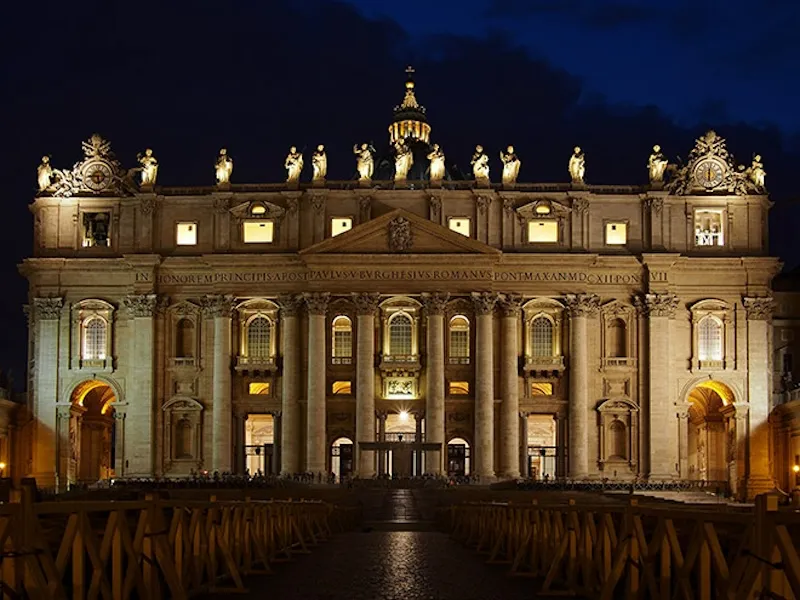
(366, 305)
(509, 387)
(317, 304)
(290, 307)
(484, 383)
(434, 382)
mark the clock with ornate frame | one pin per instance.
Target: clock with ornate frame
(709, 173)
(97, 175)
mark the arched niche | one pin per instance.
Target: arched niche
(183, 426)
(618, 334)
(618, 435)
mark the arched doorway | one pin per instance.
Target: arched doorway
(91, 437)
(458, 457)
(711, 433)
(342, 457)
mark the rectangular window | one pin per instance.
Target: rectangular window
(258, 232)
(708, 227)
(186, 234)
(258, 388)
(96, 229)
(543, 232)
(343, 388)
(459, 225)
(340, 225)
(541, 388)
(616, 234)
(458, 388)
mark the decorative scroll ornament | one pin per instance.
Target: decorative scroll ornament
(47, 309)
(654, 204)
(142, 305)
(218, 305)
(435, 302)
(583, 305)
(483, 202)
(580, 205)
(435, 204)
(98, 173)
(758, 309)
(484, 302)
(400, 236)
(366, 303)
(317, 302)
(658, 305)
(290, 305)
(510, 304)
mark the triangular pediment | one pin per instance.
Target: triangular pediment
(400, 232)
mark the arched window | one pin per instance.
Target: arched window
(94, 339)
(259, 338)
(342, 337)
(184, 339)
(616, 339)
(400, 335)
(542, 336)
(459, 337)
(617, 447)
(709, 338)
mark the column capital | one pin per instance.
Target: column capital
(216, 305)
(366, 303)
(48, 309)
(290, 305)
(657, 305)
(141, 305)
(758, 309)
(435, 302)
(582, 305)
(742, 409)
(484, 302)
(510, 304)
(317, 302)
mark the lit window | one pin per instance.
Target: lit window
(708, 227)
(542, 331)
(459, 225)
(94, 339)
(258, 209)
(541, 388)
(342, 338)
(259, 338)
(543, 208)
(459, 337)
(459, 388)
(96, 229)
(400, 335)
(542, 232)
(344, 388)
(709, 338)
(616, 234)
(186, 234)
(340, 225)
(258, 232)
(260, 388)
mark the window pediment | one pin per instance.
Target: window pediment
(257, 209)
(182, 403)
(542, 208)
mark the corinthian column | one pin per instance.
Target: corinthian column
(290, 382)
(317, 304)
(366, 305)
(140, 419)
(581, 307)
(434, 378)
(509, 388)
(46, 313)
(220, 309)
(759, 315)
(484, 383)
(662, 415)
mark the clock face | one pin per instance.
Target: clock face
(97, 176)
(709, 173)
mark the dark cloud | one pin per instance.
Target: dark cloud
(594, 13)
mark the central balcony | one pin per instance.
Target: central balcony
(400, 363)
(256, 363)
(544, 365)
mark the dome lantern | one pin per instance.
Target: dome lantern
(409, 120)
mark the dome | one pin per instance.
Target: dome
(410, 120)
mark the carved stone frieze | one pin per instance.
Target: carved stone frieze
(366, 303)
(365, 208)
(583, 305)
(290, 305)
(222, 205)
(510, 304)
(47, 309)
(508, 206)
(317, 302)
(141, 305)
(658, 305)
(148, 205)
(435, 204)
(758, 309)
(292, 204)
(216, 305)
(485, 302)
(435, 303)
(401, 238)
(318, 203)
(185, 309)
(580, 205)
(654, 204)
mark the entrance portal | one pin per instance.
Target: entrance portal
(259, 444)
(91, 437)
(342, 457)
(458, 457)
(542, 450)
(711, 435)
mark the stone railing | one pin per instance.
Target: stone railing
(253, 363)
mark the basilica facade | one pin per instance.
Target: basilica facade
(402, 324)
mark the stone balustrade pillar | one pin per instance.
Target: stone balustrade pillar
(581, 308)
(509, 387)
(484, 383)
(290, 383)
(434, 382)
(220, 309)
(316, 443)
(366, 305)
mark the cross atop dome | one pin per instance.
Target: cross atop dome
(409, 120)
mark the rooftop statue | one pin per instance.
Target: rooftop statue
(294, 165)
(757, 173)
(511, 165)
(224, 167)
(403, 160)
(480, 165)
(44, 174)
(364, 161)
(149, 167)
(436, 157)
(657, 165)
(577, 165)
(319, 162)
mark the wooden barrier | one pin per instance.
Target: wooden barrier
(152, 548)
(632, 551)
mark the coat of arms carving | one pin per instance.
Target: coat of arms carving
(400, 236)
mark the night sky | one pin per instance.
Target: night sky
(192, 76)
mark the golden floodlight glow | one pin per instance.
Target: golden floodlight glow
(795, 468)
(404, 416)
